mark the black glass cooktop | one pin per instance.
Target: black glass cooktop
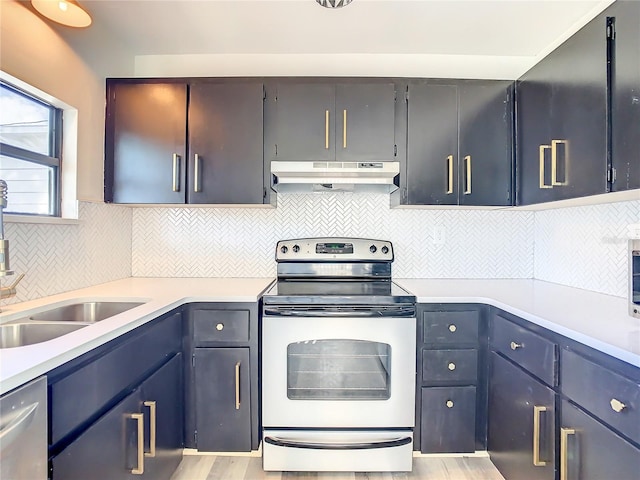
(336, 291)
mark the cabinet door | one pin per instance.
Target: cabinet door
(107, 450)
(223, 403)
(485, 163)
(521, 423)
(432, 145)
(145, 143)
(365, 122)
(592, 451)
(625, 121)
(163, 408)
(303, 124)
(225, 143)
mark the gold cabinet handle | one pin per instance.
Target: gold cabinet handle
(344, 129)
(467, 161)
(554, 161)
(139, 417)
(449, 174)
(176, 169)
(196, 173)
(449, 403)
(152, 428)
(564, 452)
(451, 366)
(543, 148)
(238, 386)
(537, 410)
(515, 346)
(616, 405)
(326, 129)
(452, 328)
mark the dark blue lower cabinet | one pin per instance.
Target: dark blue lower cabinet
(140, 437)
(521, 423)
(448, 420)
(591, 451)
(223, 399)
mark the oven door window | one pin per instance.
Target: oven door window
(338, 370)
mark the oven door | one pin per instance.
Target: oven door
(338, 372)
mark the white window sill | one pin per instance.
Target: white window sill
(13, 218)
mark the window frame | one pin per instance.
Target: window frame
(55, 147)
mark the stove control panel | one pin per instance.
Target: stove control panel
(334, 250)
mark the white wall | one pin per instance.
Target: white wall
(71, 65)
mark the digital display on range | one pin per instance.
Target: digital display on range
(334, 248)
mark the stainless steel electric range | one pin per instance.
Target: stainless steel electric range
(338, 359)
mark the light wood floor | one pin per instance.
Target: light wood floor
(210, 467)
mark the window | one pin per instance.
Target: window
(30, 148)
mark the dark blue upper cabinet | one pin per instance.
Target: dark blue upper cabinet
(562, 120)
(625, 94)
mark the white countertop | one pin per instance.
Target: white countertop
(597, 320)
(19, 365)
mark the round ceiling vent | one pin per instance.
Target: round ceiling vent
(334, 3)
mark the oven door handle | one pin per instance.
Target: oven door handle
(340, 312)
(337, 446)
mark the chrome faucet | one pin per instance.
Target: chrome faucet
(10, 291)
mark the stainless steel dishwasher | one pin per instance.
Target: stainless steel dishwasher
(23, 432)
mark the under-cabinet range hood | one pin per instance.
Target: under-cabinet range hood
(369, 177)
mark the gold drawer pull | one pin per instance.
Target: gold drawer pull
(449, 174)
(452, 328)
(451, 366)
(543, 149)
(515, 346)
(616, 405)
(449, 403)
(537, 410)
(220, 326)
(238, 386)
(152, 428)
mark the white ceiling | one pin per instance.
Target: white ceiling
(508, 29)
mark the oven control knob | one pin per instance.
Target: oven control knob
(385, 249)
(296, 248)
(284, 249)
(373, 249)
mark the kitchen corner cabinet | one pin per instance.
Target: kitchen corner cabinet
(459, 143)
(625, 94)
(129, 423)
(222, 386)
(562, 120)
(450, 392)
(327, 121)
(521, 426)
(150, 157)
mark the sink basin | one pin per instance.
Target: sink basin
(20, 334)
(86, 312)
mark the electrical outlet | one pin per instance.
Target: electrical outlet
(438, 235)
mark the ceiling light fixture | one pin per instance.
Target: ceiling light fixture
(65, 12)
(334, 3)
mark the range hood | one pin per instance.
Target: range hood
(301, 177)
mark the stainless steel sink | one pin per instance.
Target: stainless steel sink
(86, 312)
(19, 334)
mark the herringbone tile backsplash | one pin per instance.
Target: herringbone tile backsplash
(220, 242)
(59, 258)
(585, 247)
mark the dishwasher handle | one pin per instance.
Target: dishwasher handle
(17, 425)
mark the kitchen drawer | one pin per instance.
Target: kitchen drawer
(451, 328)
(606, 394)
(96, 384)
(220, 326)
(448, 419)
(526, 348)
(449, 366)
